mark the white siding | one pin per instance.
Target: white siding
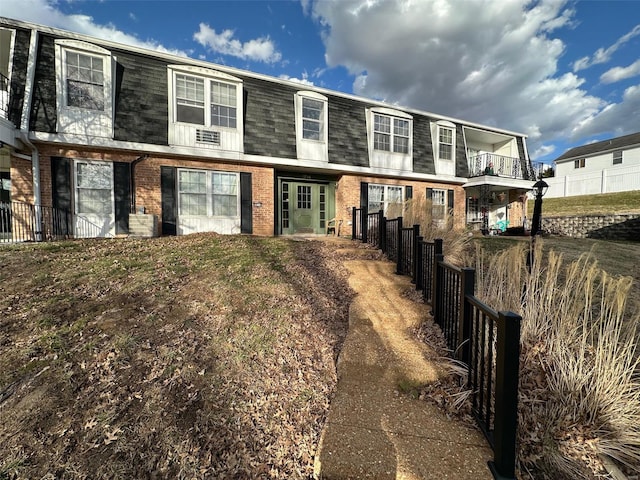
(185, 134)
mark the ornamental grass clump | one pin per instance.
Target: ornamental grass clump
(419, 211)
(579, 399)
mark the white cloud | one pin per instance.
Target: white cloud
(617, 118)
(543, 150)
(303, 81)
(45, 12)
(259, 49)
(603, 55)
(621, 73)
(491, 62)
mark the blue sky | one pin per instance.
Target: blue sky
(563, 72)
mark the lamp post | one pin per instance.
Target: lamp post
(539, 189)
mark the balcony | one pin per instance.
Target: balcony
(502, 166)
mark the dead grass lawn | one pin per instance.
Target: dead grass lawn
(192, 357)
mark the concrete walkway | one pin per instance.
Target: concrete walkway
(373, 431)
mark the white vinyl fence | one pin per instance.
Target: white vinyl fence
(619, 179)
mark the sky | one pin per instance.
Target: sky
(564, 72)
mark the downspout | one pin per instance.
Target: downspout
(24, 132)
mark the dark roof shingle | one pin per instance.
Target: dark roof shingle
(603, 146)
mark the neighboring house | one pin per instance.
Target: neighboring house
(118, 135)
(601, 167)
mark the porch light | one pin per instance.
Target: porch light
(540, 188)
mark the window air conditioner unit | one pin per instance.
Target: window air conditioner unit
(208, 136)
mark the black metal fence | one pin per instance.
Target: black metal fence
(488, 342)
(23, 222)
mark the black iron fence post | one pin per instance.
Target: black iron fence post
(354, 224)
(364, 220)
(419, 265)
(383, 232)
(399, 247)
(506, 396)
(381, 239)
(464, 330)
(437, 290)
(414, 246)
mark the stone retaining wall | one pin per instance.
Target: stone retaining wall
(612, 227)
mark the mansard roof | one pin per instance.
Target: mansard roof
(176, 59)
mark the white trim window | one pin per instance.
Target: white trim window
(311, 114)
(84, 86)
(312, 119)
(84, 81)
(223, 104)
(438, 204)
(205, 108)
(617, 157)
(189, 99)
(385, 139)
(382, 196)
(94, 188)
(208, 193)
(580, 163)
(190, 106)
(390, 139)
(446, 142)
(443, 138)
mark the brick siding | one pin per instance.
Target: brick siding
(348, 195)
(147, 180)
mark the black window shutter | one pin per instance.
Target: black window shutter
(450, 201)
(61, 179)
(246, 203)
(168, 199)
(429, 193)
(121, 193)
(408, 192)
(364, 194)
(61, 193)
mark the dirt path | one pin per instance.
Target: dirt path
(373, 431)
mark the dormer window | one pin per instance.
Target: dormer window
(85, 81)
(443, 137)
(390, 139)
(205, 108)
(84, 87)
(312, 119)
(189, 99)
(223, 104)
(311, 109)
(445, 140)
(191, 93)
